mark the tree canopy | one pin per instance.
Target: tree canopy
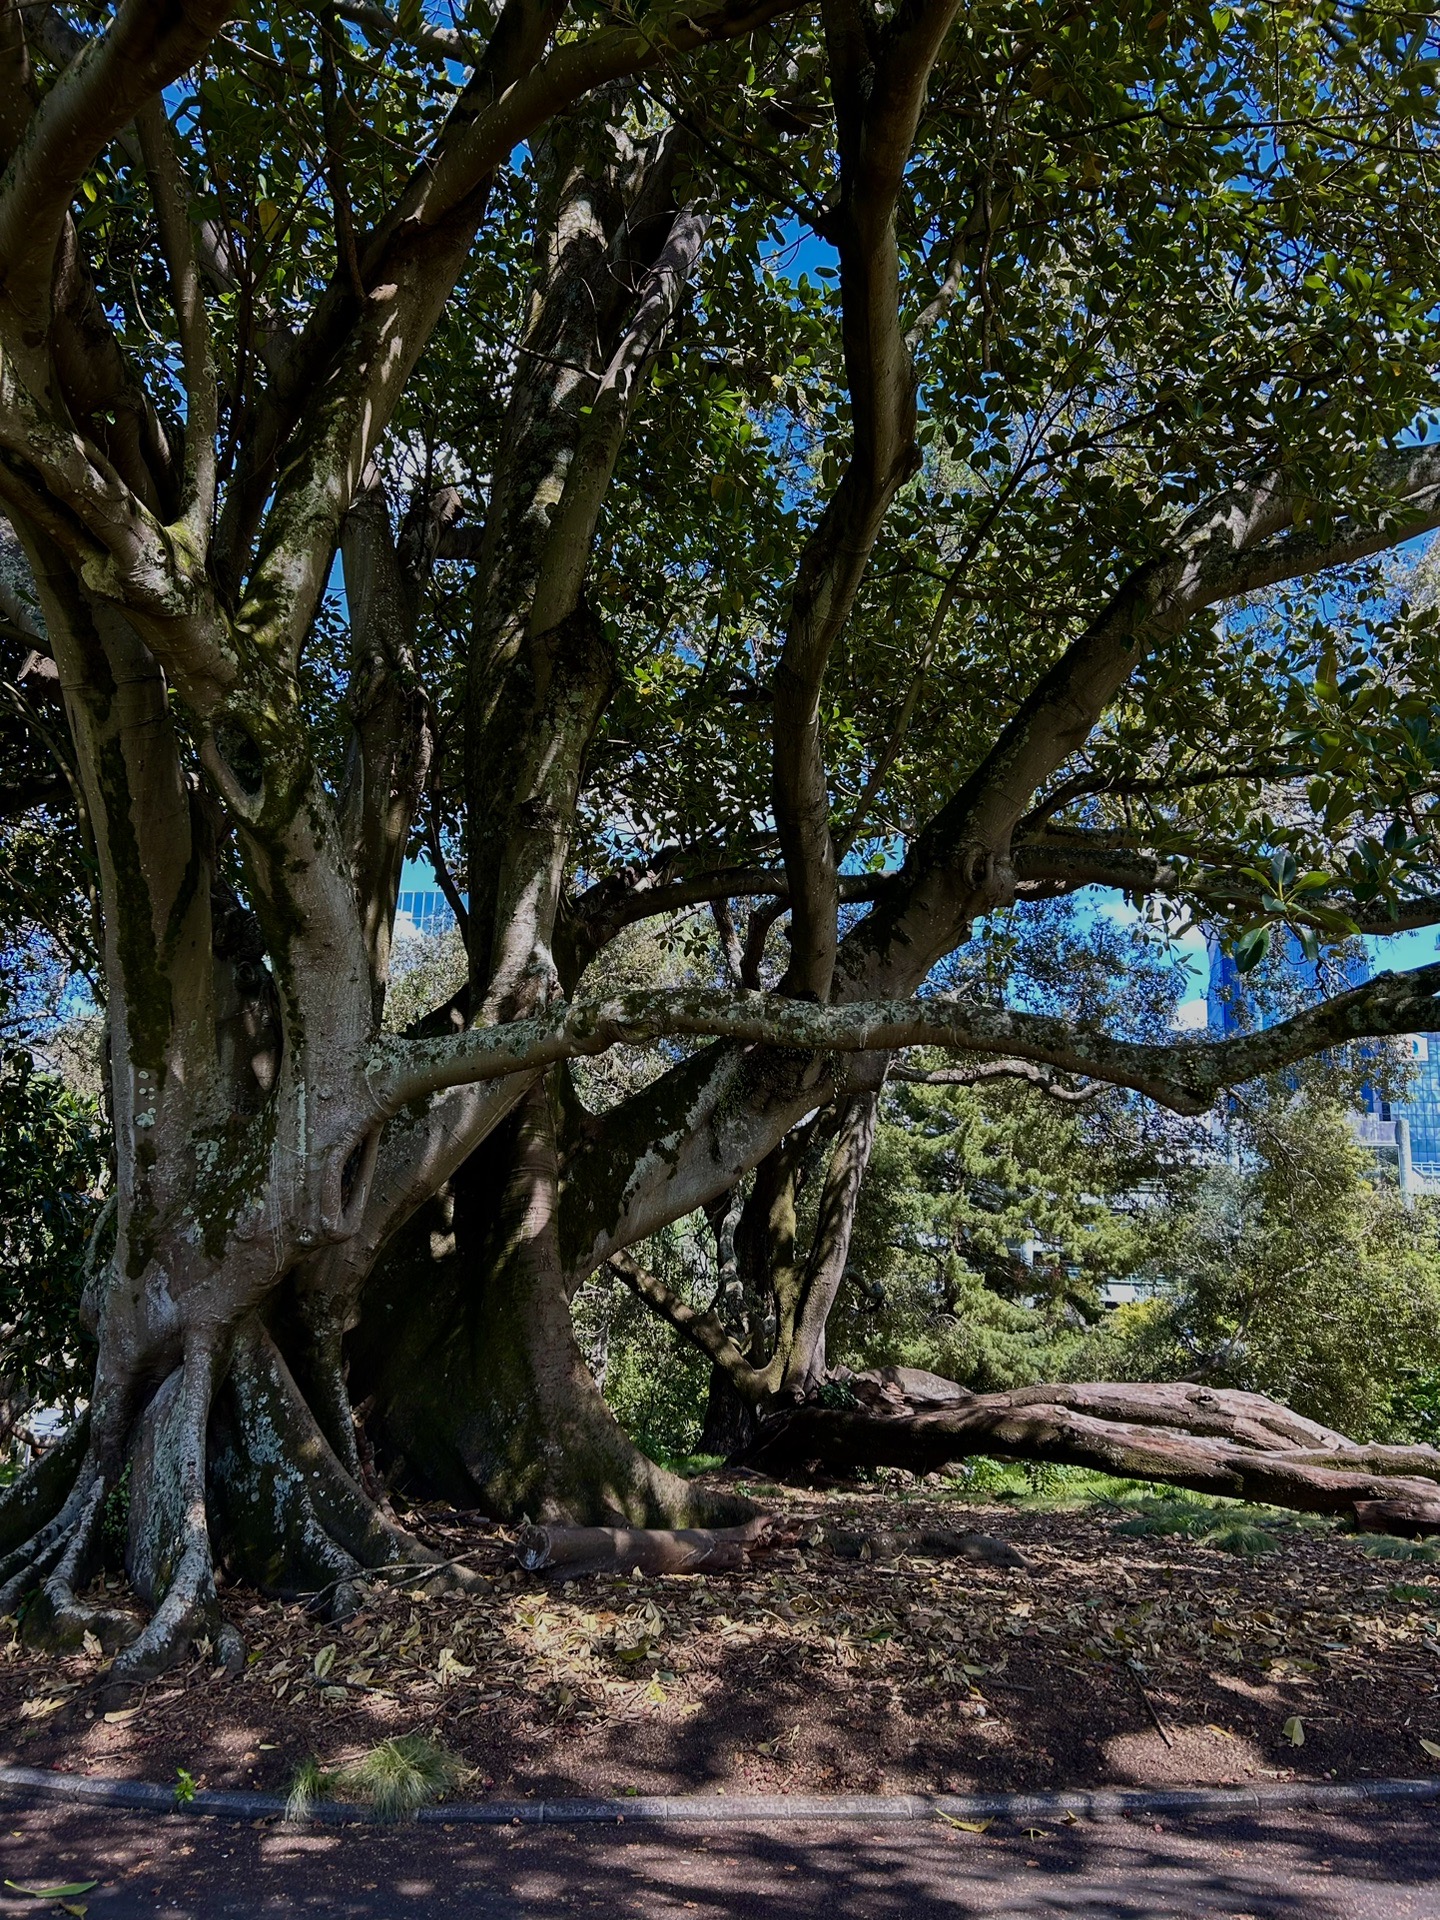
(830, 475)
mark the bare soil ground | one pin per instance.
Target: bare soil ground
(1111, 1659)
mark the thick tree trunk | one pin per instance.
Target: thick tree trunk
(1236, 1444)
(246, 1139)
(479, 1382)
(731, 1421)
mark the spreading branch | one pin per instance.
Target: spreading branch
(356, 358)
(961, 863)
(878, 81)
(96, 97)
(1185, 1075)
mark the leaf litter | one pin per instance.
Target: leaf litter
(1130, 1655)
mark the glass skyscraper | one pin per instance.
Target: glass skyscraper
(1403, 1134)
(421, 908)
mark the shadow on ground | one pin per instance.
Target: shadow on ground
(1293, 1865)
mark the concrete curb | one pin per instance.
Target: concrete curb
(1103, 1803)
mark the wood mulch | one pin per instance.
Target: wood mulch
(1112, 1659)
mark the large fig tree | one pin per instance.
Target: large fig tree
(840, 471)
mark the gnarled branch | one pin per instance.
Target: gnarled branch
(1185, 1076)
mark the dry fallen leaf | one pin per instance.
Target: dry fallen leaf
(121, 1717)
(53, 1893)
(37, 1709)
(1432, 1747)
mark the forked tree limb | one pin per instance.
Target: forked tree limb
(1239, 1445)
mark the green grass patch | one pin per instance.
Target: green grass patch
(1388, 1546)
(1244, 1537)
(395, 1778)
(1405, 1590)
(687, 1465)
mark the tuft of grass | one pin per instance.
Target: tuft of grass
(395, 1778)
(400, 1775)
(1404, 1590)
(309, 1783)
(1240, 1536)
(1388, 1546)
(1177, 1519)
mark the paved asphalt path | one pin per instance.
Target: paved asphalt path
(1288, 1865)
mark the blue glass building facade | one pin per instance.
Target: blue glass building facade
(1420, 1109)
(1403, 1133)
(421, 903)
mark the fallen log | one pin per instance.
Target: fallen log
(1398, 1516)
(1236, 1444)
(570, 1553)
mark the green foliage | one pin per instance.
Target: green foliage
(184, 1789)
(425, 970)
(837, 1393)
(1414, 1409)
(991, 1215)
(1385, 1546)
(1292, 1271)
(655, 1385)
(52, 1165)
(395, 1778)
(981, 1478)
(115, 1519)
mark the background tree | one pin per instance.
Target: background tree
(52, 1172)
(793, 464)
(1292, 1271)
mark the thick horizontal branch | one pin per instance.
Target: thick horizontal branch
(1185, 1076)
(1068, 860)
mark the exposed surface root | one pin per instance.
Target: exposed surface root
(49, 1571)
(250, 1461)
(289, 1517)
(1236, 1444)
(570, 1552)
(168, 1554)
(41, 1491)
